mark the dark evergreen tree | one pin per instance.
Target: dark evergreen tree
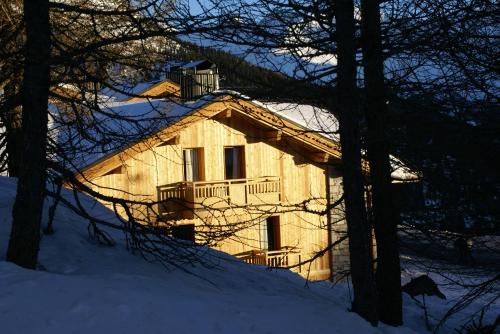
(365, 297)
(28, 206)
(385, 214)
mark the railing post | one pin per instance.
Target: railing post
(246, 191)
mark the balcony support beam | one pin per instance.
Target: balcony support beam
(274, 135)
(319, 157)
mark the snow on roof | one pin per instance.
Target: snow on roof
(315, 119)
(112, 126)
(401, 172)
(174, 64)
(193, 64)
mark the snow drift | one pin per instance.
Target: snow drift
(84, 287)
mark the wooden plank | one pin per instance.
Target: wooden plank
(273, 135)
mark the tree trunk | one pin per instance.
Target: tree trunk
(364, 302)
(385, 215)
(27, 212)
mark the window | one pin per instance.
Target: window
(184, 232)
(270, 236)
(193, 164)
(234, 162)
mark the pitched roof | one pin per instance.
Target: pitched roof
(123, 129)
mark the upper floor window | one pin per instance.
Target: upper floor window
(193, 164)
(234, 162)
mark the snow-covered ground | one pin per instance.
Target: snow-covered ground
(84, 287)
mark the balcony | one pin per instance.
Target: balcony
(190, 196)
(283, 258)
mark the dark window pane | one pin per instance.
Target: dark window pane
(229, 162)
(233, 162)
(270, 234)
(184, 232)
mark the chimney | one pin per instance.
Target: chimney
(196, 78)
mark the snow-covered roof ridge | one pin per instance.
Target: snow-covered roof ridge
(324, 123)
(310, 117)
(120, 124)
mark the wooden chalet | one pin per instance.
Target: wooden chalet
(231, 164)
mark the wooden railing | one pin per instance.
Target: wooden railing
(283, 258)
(217, 194)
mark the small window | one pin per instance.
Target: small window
(192, 164)
(270, 236)
(234, 162)
(183, 232)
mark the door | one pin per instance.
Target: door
(270, 235)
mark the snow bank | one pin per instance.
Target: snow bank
(83, 287)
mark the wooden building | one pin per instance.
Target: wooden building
(234, 165)
(261, 176)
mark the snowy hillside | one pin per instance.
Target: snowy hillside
(83, 287)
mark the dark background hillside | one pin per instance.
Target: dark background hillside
(457, 154)
(257, 82)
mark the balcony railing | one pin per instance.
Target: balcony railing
(219, 194)
(283, 258)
